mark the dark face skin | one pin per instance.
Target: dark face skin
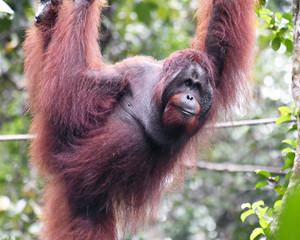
(47, 12)
(168, 109)
(192, 91)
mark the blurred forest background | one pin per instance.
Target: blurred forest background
(209, 204)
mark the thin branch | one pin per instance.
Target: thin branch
(23, 137)
(220, 167)
(232, 168)
(246, 123)
(18, 137)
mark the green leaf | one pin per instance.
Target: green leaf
(283, 119)
(290, 156)
(289, 162)
(284, 110)
(287, 150)
(246, 214)
(276, 44)
(280, 189)
(265, 26)
(270, 212)
(267, 18)
(288, 17)
(246, 205)
(293, 128)
(283, 31)
(263, 222)
(278, 16)
(262, 211)
(261, 184)
(265, 11)
(276, 179)
(267, 230)
(289, 45)
(263, 173)
(292, 143)
(285, 168)
(256, 232)
(262, 2)
(5, 8)
(272, 23)
(288, 175)
(257, 204)
(277, 205)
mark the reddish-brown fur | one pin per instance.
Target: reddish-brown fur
(103, 173)
(238, 32)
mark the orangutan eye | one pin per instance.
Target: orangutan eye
(197, 87)
(188, 82)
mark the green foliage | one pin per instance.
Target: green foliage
(19, 192)
(152, 27)
(277, 31)
(266, 215)
(281, 27)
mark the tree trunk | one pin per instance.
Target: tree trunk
(286, 226)
(296, 85)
